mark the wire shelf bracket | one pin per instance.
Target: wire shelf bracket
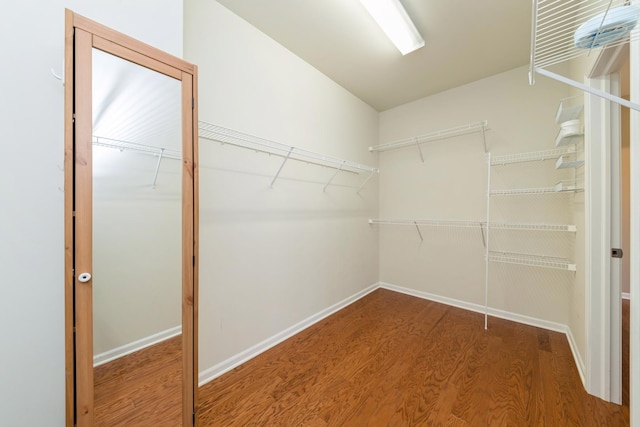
(212, 132)
(417, 141)
(554, 24)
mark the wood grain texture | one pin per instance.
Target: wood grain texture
(83, 243)
(109, 34)
(141, 389)
(391, 359)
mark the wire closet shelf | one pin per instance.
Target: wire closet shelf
(151, 150)
(562, 30)
(481, 127)
(533, 156)
(475, 224)
(236, 138)
(532, 260)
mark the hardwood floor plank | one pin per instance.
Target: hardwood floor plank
(392, 359)
(389, 359)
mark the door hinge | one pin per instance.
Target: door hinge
(616, 253)
(194, 260)
(193, 103)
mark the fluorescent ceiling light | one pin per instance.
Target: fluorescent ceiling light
(395, 23)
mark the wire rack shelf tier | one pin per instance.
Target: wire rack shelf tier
(529, 157)
(429, 222)
(236, 138)
(481, 126)
(475, 224)
(121, 145)
(555, 24)
(562, 30)
(532, 260)
(559, 188)
(533, 227)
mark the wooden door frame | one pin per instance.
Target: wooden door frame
(82, 34)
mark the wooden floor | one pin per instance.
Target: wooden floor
(141, 389)
(387, 359)
(392, 359)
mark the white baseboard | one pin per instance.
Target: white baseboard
(108, 356)
(240, 358)
(531, 321)
(227, 365)
(626, 295)
(582, 370)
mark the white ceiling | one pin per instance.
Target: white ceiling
(465, 40)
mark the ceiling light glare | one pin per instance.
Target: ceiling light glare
(396, 24)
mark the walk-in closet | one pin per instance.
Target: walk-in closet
(239, 212)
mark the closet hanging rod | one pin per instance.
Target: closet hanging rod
(235, 138)
(165, 153)
(434, 136)
(531, 156)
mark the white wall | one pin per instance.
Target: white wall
(270, 258)
(452, 183)
(31, 219)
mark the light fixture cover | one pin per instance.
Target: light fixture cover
(396, 24)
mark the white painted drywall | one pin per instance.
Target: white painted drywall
(271, 257)
(31, 218)
(451, 184)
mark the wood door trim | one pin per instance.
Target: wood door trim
(136, 45)
(68, 222)
(136, 57)
(83, 183)
(81, 36)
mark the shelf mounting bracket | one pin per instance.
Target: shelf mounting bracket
(365, 182)
(155, 175)
(281, 166)
(418, 229)
(419, 150)
(334, 175)
(484, 241)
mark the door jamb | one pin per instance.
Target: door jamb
(602, 279)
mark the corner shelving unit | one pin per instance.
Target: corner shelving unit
(567, 157)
